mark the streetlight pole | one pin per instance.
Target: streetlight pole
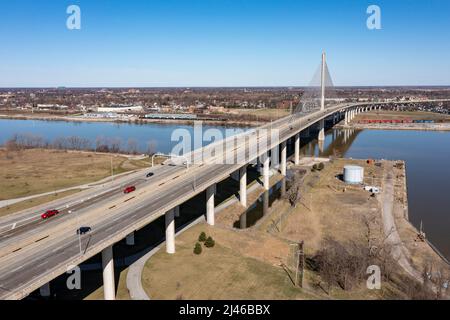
(78, 231)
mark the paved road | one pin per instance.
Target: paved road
(38, 252)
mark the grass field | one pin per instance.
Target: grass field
(28, 172)
(265, 113)
(218, 273)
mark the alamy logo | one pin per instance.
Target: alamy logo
(374, 20)
(374, 280)
(235, 146)
(74, 280)
(74, 20)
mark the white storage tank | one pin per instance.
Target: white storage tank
(353, 174)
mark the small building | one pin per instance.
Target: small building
(120, 109)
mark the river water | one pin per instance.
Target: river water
(162, 137)
(427, 156)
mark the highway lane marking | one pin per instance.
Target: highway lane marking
(163, 183)
(41, 239)
(18, 268)
(129, 199)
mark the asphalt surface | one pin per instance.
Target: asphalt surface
(33, 251)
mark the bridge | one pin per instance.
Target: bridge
(34, 252)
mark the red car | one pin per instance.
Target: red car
(129, 189)
(49, 214)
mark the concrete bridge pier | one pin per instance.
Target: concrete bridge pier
(297, 149)
(210, 214)
(283, 187)
(44, 291)
(177, 211)
(129, 240)
(243, 186)
(322, 130)
(266, 203)
(170, 231)
(266, 167)
(243, 221)
(283, 159)
(109, 287)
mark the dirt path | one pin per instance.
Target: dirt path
(399, 252)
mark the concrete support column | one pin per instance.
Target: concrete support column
(283, 187)
(109, 287)
(130, 239)
(170, 231)
(266, 203)
(266, 177)
(322, 130)
(243, 185)
(297, 149)
(243, 221)
(283, 159)
(210, 205)
(44, 291)
(177, 211)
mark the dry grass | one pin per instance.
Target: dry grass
(121, 289)
(265, 113)
(327, 211)
(23, 205)
(28, 172)
(218, 273)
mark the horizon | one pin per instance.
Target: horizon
(203, 44)
(236, 87)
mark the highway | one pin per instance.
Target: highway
(35, 251)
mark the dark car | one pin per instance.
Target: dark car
(84, 230)
(150, 174)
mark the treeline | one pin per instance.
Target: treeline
(101, 144)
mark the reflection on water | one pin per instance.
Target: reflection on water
(159, 136)
(427, 156)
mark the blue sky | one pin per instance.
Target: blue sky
(222, 43)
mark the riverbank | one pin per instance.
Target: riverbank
(132, 120)
(329, 211)
(398, 126)
(439, 122)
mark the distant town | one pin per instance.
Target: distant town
(219, 104)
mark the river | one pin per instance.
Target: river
(427, 156)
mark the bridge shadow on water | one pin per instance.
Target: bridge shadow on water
(153, 234)
(146, 239)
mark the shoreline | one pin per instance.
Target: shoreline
(419, 127)
(136, 121)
